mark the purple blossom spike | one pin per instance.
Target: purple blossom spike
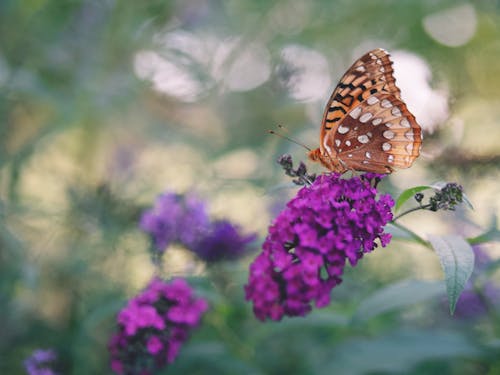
(304, 254)
(153, 326)
(223, 242)
(175, 218)
(40, 362)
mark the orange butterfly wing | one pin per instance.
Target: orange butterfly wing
(366, 126)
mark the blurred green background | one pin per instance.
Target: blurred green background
(105, 104)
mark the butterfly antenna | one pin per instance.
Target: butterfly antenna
(288, 138)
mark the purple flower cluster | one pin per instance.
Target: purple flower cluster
(175, 218)
(478, 297)
(307, 246)
(153, 326)
(223, 241)
(183, 219)
(40, 362)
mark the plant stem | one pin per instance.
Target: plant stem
(424, 207)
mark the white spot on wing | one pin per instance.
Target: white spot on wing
(386, 103)
(348, 143)
(376, 121)
(390, 158)
(389, 134)
(409, 148)
(405, 123)
(355, 112)
(410, 136)
(396, 112)
(363, 139)
(368, 155)
(372, 100)
(361, 69)
(342, 129)
(365, 117)
(337, 142)
(386, 146)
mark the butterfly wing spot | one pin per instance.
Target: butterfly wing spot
(409, 148)
(390, 158)
(363, 139)
(337, 142)
(377, 121)
(372, 100)
(361, 69)
(396, 112)
(368, 154)
(355, 112)
(386, 103)
(409, 135)
(342, 129)
(389, 124)
(348, 143)
(386, 146)
(389, 134)
(365, 117)
(382, 69)
(404, 123)
(349, 155)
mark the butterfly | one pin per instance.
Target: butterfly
(366, 126)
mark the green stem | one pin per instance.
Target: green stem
(424, 207)
(412, 234)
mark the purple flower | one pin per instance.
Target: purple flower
(477, 298)
(304, 254)
(183, 219)
(175, 218)
(153, 326)
(40, 361)
(222, 242)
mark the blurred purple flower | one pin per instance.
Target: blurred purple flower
(223, 242)
(175, 218)
(474, 303)
(183, 219)
(305, 252)
(40, 362)
(153, 326)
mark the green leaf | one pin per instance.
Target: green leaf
(408, 193)
(401, 294)
(491, 235)
(457, 261)
(396, 352)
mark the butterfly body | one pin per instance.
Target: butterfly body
(366, 126)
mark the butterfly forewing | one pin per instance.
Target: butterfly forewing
(370, 74)
(366, 125)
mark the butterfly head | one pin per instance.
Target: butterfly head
(333, 164)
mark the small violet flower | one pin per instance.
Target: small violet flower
(305, 252)
(175, 218)
(183, 219)
(40, 362)
(153, 326)
(222, 242)
(478, 297)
